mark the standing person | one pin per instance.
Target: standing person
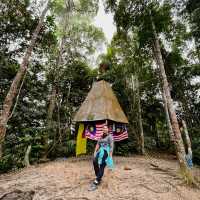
(102, 156)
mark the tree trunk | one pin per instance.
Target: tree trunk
(171, 133)
(27, 154)
(14, 88)
(140, 119)
(51, 107)
(58, 118)
(55, 83)
(164, 98)
(187, 137)
(157, 134)
(1, 151)
(49, 120)
(180, 150)
(141, 132)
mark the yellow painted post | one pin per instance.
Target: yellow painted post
(81, 141)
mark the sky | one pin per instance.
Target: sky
(105, 21)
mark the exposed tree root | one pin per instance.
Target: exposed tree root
(152, 190)
(168, 171)
(189, 179)
(18, 195)
(176, 188)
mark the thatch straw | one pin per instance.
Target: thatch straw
(100, 104)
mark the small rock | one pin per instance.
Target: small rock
(127, 168)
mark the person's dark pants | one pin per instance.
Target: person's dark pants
(99, 169)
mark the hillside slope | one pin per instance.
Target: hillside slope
(134, 178)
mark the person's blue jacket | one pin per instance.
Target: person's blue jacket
(109, 160)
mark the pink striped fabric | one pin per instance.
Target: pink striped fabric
(94, 131)
(120, 133)
(121, 136)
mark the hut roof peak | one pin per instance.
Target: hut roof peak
(100, 104)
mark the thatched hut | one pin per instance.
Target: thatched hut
(99, 108)
(101, 104)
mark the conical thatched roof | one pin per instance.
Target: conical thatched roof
(100, 104)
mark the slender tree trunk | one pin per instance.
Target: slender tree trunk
(140, 118)
(187, 137)
(8, 102)
(1, 150)
(141, 128)
(171, 133)
(56, 79)
(68, 121)
(27, 155)
(157, 134)
(49, 120)
(52, 102)
(164, 98)
(180, 150)
(59, 126)
(51, 107)
(141, 132)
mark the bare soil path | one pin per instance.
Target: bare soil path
(133, 178)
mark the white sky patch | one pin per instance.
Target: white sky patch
(105, 22)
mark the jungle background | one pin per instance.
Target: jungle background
(61, 72)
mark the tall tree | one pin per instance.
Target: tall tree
(136, 83)
(125, 64)
(77, 38)
(150, 19)
(180, 149)
(66, 11)
(8, 102)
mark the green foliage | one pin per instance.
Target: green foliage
(193, 8)
(128, 55)
(137, 15)
(134, 24)
(90, 147)
(58, 6)
(90, 6)
(126, 147)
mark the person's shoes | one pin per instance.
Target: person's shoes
(92, 187)
(96, 182)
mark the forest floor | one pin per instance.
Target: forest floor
(134, 178)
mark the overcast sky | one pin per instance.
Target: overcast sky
(105, 22)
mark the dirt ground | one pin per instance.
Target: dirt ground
(133, 178)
